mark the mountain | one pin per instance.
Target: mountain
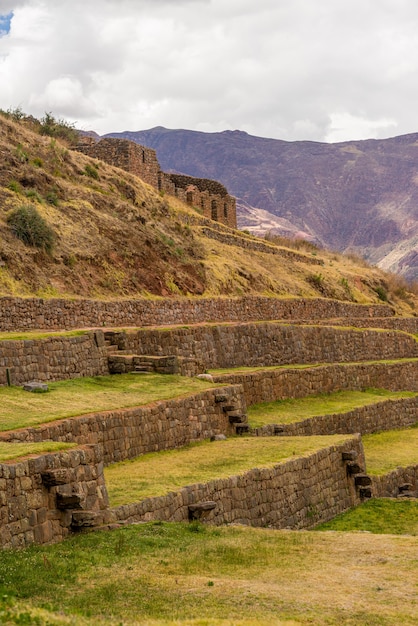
(356, 196)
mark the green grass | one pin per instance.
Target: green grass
(158, 473)
(390, 449)
(297, 409)
(86, 395)
(10, 451)
(247, 369)
(163, 573)
(29, 335)
(380, 516)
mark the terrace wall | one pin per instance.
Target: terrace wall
(54, 358)
(386, 415)
(387, 486)
(127, 433)
(299, 493)
(278, 384)
(270, 343)
(19, 314)
(29, 507)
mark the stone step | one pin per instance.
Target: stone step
(237, 419)
(240, 429)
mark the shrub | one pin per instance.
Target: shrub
(31, 228)
(14, 185)
(52, 197)
(382, 293)
(58, 128)
(33, 195)
(91, 171)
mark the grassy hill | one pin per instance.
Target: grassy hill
(114, 236)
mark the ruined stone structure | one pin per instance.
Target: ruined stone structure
(208, 196)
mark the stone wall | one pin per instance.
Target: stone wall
(270, 343)
(407, 324)
(260, 246)
(299, 493)
(125, 154)
(35, 313)
(209, 196)
(127, 433)
(278, 384)
(53, 358)
(43, 498)
(386, 415)
(391, 485)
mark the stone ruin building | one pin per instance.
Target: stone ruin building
(208, 196)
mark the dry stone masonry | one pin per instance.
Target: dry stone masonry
(46, 497)
(208, 196)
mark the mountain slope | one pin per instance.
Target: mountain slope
(359, 196)
(115, 237)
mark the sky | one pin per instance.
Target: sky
(321, 70)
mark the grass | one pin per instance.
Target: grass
(298, 409)
(247, 369)
(390, 449)
(161, 573)
(79, 396)
(10, 451)
(158, 473)
(30, 335)
(379, 516)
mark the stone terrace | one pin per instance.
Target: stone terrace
(45, 498)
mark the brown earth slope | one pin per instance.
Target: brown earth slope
(117, 237)
(358, 196)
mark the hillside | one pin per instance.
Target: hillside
(115, 236)
(357, 196)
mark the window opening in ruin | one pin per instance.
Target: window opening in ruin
(143, 156)
(189, 197)
(225, 210)
(214, 210)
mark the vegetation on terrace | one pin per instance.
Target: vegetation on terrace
(78, 396)
(170, 574)
(158, 473)
(387, 450)
(297, 409)
(10, 451)
(378, 516)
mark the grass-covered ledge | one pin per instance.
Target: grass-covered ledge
(388, 450)
(78, 396)
(293, 410)
(159, 473)
(13, 451)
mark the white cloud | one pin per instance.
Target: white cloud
(328, 70)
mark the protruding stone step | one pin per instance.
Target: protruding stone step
(350, 455)
(60, 476)
(237, 419)
(221, 397)
(365, 492)
(240, 429)
(84, 519)
(229, 407)
(354, 468)
(69, 500)
(201, 510)
(362, 480)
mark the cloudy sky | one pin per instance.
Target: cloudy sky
(325, 70)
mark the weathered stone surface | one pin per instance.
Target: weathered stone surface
(35, 386)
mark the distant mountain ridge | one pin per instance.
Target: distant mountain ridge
(358, 196)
